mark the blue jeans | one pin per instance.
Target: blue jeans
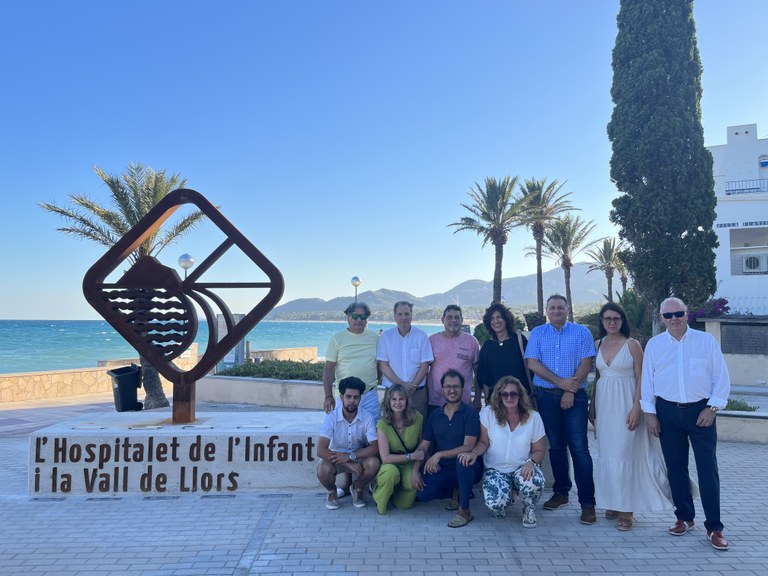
(567, 430)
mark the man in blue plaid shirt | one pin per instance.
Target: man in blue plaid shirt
(560, 355)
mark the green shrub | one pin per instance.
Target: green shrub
(279, 369)
(739, 405)
(481, 333)
(533, 319)
(591, 322)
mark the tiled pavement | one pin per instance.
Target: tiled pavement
(288, 533)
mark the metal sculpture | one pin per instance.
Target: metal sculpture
(153, 308)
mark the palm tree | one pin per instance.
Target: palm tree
(638, 315)
(606, 259)
(496, 211)
(563, 240)
(545, 203)
(621, 268)
(132, 194)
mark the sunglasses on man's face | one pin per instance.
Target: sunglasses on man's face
(678, 314)
(359, 316)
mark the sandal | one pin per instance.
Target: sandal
(452, 505)
(625, 521)
(458, 521)
(611, 514)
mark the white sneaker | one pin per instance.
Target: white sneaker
(529, 517)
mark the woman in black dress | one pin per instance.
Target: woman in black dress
(502, 355)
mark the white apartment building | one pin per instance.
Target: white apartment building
(741, 187)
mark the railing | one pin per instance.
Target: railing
(746, 186)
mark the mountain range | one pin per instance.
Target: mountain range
(519, 293)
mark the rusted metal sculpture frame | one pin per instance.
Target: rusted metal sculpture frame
(94, 287)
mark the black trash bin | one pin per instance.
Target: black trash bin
(125, 384)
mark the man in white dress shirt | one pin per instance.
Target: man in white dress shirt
(404, 355)
(685, 382)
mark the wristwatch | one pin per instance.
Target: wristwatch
(713, 408)
(407, 455)
(352, 457)
(532, 461)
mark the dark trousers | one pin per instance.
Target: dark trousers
(678, 430)
(441, 483)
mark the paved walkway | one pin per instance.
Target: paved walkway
(293, 533)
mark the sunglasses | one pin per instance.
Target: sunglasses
(611, 319)
(359, 316)
(511, 395)
(678, 314)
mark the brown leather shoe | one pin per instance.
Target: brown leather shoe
(588, 515)
(718, 540)
(556, 501)
(681, 527)
(611, 515)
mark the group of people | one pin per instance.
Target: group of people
(431, 438)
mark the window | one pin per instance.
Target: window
(749, 251)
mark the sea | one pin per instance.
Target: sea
(37, 345)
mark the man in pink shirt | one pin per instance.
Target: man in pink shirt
(453, 349)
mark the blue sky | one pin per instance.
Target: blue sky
(340, 137)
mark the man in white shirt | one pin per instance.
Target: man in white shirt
(348, 443)
(685, 382)
(404, 355)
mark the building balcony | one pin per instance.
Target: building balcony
(746, 186)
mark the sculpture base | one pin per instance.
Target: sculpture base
(146, 453)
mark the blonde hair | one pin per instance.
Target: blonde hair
(524, 407)
(409, 415)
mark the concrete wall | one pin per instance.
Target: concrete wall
(747, 369)
(53, 384)
(744, 369)
(306, 354)
(731, 426)
(742, 427)
(60, 383)
(262, 391)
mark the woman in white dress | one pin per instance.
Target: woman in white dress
(630, 475)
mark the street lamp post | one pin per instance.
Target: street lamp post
(186, 262)
(356, 282)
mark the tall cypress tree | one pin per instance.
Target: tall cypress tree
(661, 168)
